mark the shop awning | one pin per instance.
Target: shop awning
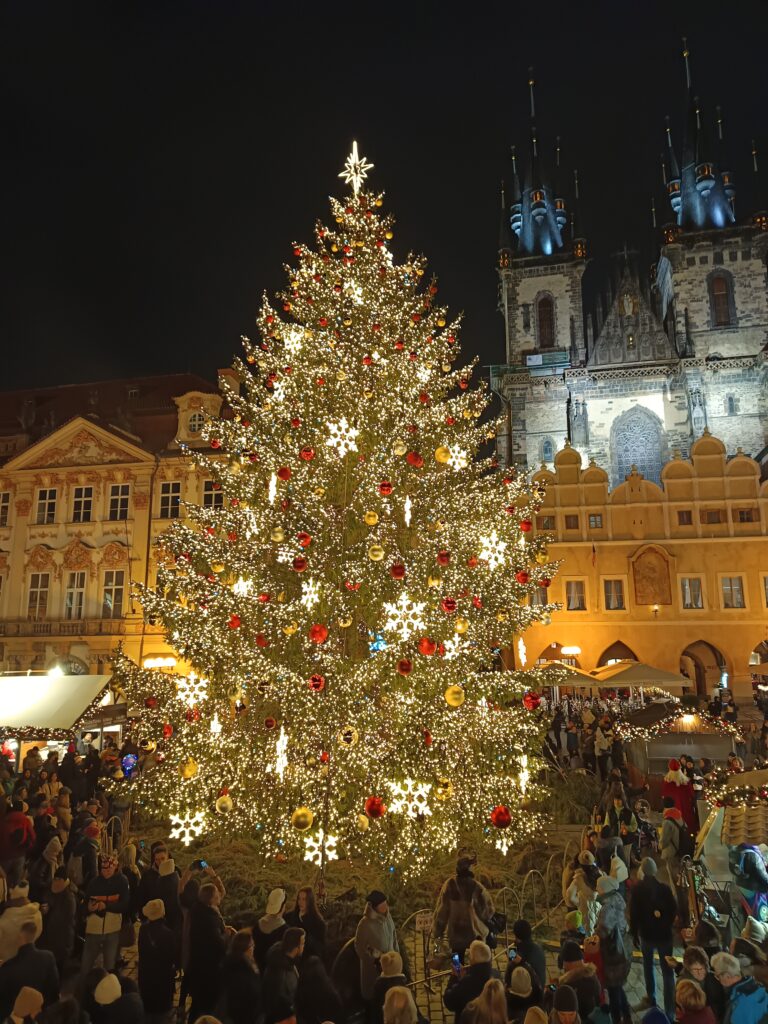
(46, 705)
(635, 673)
(572, 676)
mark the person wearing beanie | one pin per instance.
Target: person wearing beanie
(375, 934)
(565, 1006)
(391, 974)
(270, 927)
(611, 928)
(674, 834)
(522, 990)
(463, 909)
(529, 953)
(158, 956)
(466, 985)
(678, 787)
(652, 911)
(28, 1004)
(535, 1015)
(18, 912)
(108, 899)
(59, 922)
(573, 932)
(581, 977)
(29, 966)
(116, 1001)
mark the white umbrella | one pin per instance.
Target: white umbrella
(635, 673)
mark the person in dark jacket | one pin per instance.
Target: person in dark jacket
(240, 999)
(391, 964)
(108, 899)
(528, 951)
(652, 910)
(306, 915)
(59, 920)
(581, 977)
(281, 977)
(31, 966)
(270, 927)
(149, 885)
(316, 998)
(157, 963)
(116, 1001)
(467, 985)
(696, 968)
(522, 991)
(207, 947)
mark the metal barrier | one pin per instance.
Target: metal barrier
(532, 874)
(419, 925)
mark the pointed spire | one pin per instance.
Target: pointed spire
(505, 233)
(674, 170)
(760, 217)
(531, 83)
(653, 212)
(686, 58)
(663, 170)
(515, 177)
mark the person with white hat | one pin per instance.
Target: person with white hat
(18, 910)
(270, 927)
(157, 963)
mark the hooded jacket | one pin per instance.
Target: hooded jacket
(59, 925)
(584, 896)
(16, 912)
(611, 926)
(281, 981)
(584, 981)
(375, 935)
(677, 786)
(670, 834)
(747, 1003)
(463, 908)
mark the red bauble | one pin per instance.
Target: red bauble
(150, 702)
(297, 251)
(232, 536)
(375, 807)
(192, 715)
(545, 581)
(531, 700)
(323, 321)
(473, 562)
(397, 571)
(325, 757)
(385, 488)
(424, 398)
(448, 604)
(414, 459)
(510, 509)
(234, 621)
(215, 443)
(427, 738)
(367, 360)
(399, 345)
(427, 646)
(261, 640)
(284, 473)
(443, 557)
(270, 723)
(463, 384)
(304, 539)
(500, 816)
(522, 576)
(416, 317)
(316, 683)
(210, 531)
(526, 525)
(477, 602)
(320, 381)
(404, 666)
(354, 587)
(264, 597)
(449, 421)
(295, 422)
(167, 731)
(318, 633)
(307, 453)
(299, 563)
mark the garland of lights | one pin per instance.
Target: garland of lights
(719, 794)
(630, 731)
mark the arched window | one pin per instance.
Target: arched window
(547, 449)
(721, 300)
(195, 422)
(637, 439)
(545, 322)
(731, 406)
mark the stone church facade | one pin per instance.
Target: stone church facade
(636, 382)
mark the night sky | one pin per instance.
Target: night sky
(158, 159)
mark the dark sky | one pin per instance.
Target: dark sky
(159, 158)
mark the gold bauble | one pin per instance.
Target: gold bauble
(319, 492)
(501, 616)
(348, 736)
(389, 235)
(277, 535)
(217, 567)
(400, 448)
(441, 321)
(466, 413)
(371, 518)
(348, 322)
(345, 623)
(461, 626)
(363, 822)
(454, 696)
(224, 804)
(290, 629)
(376, 552)
(434, 581)
(379, 202)
(188, 768)
(443, 789)
(442, 454)
(302, 819)
(148, 746)
(367, 393)
(341, 375)
(446, 367)
(542, 557)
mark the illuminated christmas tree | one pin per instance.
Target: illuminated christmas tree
(340, 615)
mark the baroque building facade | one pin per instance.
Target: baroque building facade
(670, 357)
(90, 476)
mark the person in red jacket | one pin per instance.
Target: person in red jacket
(679, 788)
(17, 837)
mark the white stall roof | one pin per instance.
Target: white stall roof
(46, 702)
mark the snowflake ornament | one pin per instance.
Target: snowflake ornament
(410, 797)
(492, 550)
(342, 437)
(281, 757)
(504, 844)
(458, 459)
(310, 593)
(191, 689)
(187, 827)
(522, 652)
(242, 587)
(313, 848)
(278, 390)
(293, 338)
(454, 647)
(404, 616)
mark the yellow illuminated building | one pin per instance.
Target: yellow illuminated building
(675, 576)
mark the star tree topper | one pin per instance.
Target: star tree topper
(355, 169)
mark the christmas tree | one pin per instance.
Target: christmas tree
(340, 614)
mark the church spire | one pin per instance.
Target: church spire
(505, 235)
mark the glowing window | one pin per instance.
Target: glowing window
(545, 315)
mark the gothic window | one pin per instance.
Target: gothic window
(731, 406)
(547, 450)
(526, 316)
(637, 439)
(721, 300)
(545, 318)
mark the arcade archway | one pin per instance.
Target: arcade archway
(616, 652)
(705, 666)
(567, 653)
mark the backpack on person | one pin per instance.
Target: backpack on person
(685, 842)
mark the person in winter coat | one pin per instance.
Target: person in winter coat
(63, 810)
(28, 966)
(399, 1007)
(316, 998)
(490, 1007)
(529, 953)
(608, 847)
(581, 977)
(240, 983)
(375, 935)
(622, 823)
(108, 900)
(17, 837)
(207, 948)
(750, 880)
(678, 786)
(168, 892)
(696, 968)
(583, 892)
(306, 915)
(59, 920)
(565, 1006)
(51, 787)
(391, 975)
(33, 761)
(467, 985)
(127, 864)
(611, 927)
(83, 861)
(671, 839)
(18, 911)
(157, 963)
(522, 989)
(117, 1002)
(281, 977)
(603, 744)
(652, 910)
(149, 885)
(692, 1004)
(746, 999)
(463, 909)
(573, 932)
(43, 869)
(270, 927)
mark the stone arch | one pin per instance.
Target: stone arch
(704, 664)
(617, 651)
(547, 449)
(553, 652)
(637, 439)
